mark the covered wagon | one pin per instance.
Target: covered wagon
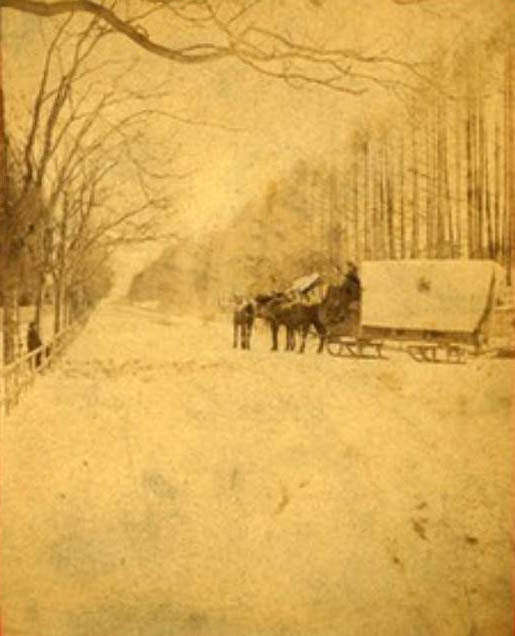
(429, 305)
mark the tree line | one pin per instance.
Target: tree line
(435, 181)
(424, 187)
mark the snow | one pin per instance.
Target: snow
(158, 482)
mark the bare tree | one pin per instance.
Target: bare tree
(234, 34)
(74, 140)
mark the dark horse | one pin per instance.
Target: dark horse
(298, 316)
(243, 320)
(295, 316)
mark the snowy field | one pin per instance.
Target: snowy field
(159, 483)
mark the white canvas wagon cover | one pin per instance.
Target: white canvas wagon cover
(432, 295)
(306, 283)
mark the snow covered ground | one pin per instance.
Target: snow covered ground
(159, 483)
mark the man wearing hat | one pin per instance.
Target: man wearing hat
(352, 278)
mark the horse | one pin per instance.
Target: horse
(243, 318)
(278, 310)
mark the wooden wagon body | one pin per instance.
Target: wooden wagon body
(429, 306)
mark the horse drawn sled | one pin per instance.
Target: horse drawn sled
(435, 310)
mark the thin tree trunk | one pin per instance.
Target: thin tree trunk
(390, 227)
(447, 207)
(457, 183)
(333, 237)
(382, 206)
(344, 221)
(439, 176)
(58, 304)
(497, 195)
(480, 180)
(415, 217)
(376, 209)
(488, 200)
(38, 309)
(402, 211)
(9, 251)
(509, 239)
(355, 211)
(470, 182)
(429, 194)
(366, 201)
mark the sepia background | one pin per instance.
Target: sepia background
(156, 481)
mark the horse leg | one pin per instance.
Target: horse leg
(321, 335)
(305, 329)
(249, 333)
(290, 339)
(274, 328)
(235, 335)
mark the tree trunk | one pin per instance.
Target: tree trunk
(481, 195)
(9, 252)
(58, 304)
(331, 233)
(390, 227)
(429, 194)
(488, 201)
(470, 183)
(509, 208)
(382, 205)
(457, 183)
(38, 309)
(344, 221)
(355, 212)
(439, 177)
(366, 202)
(402, 211)
(497, 194)
(376, 206)
(415, 218)
(448, 221)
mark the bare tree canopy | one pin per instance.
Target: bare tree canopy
(231, 34)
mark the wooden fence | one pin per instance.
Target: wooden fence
(18, 376)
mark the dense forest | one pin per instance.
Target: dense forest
(433, 180)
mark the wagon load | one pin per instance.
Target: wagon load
(305, 284)
(440, 302)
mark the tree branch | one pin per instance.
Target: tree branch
(196, 54)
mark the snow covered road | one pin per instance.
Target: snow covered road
(159, 483)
